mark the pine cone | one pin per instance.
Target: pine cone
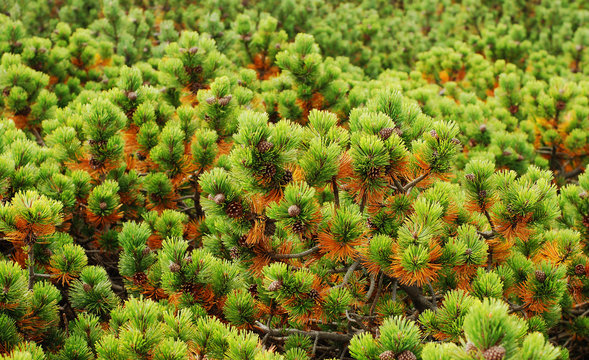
(494, 353)
(253, 290)
(275, 285)
(540, 275)
(455, 141)
(294, 211)
(87, 287)
(469, 177)
(385, 133)
(560, 105)
(398, 131)
(580, 269)
(211, 100)
(483, 128)
(483, 194)
(103, 205)
(225, 100)
(188, 259)
(139, 278)
(507, 153)
(264, 146)
(298, 227)
(146, 251)
(407, 355)
(219, 199)
(434, 134)
(234, 209)
(513, 109)
(286, 178)
(314, 294)
(174, 267)
(270, 227)
(132, 95)
(387, 355)
(468, 252)
(234, 252)
(268, 171)
(193, 50)
(471, 348)
(583, 194)
(373, 173)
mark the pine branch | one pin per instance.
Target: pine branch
(312, 250)
(321, 334)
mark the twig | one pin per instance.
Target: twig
(348, 274)
(371, 288)
(38, 136)
(312, 250)
(431, 288)
(407, 188)
(378, 290)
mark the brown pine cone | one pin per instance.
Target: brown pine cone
(385, 133)
(387, 355)
(434, 134)
(294, 211)
(494, 353)
(580, 269)
(264, 146)
(211, 100)
(483, 128)
(87, 287)
(298, 227)
(268, 171)
(469, 177)
(314, 294)
(540, 275)
(270, 228)
(193, 50)
(407, 355)
(103, 205)
(373, 173)
(234, 209)
(234, 252)
(287, 177)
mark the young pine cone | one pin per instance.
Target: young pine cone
(470, 347)
(234, 252)
(407, 355)
(580, 269)
(219, 199)
(540, 275)
(275, 285)
(174, 267)
(294, 211)
(234, 209)
(286, 178)
(225, 100)
(494, 353)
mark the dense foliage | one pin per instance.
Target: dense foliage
(223, 179)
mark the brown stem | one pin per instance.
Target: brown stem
(31, 255)
(335, 191)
